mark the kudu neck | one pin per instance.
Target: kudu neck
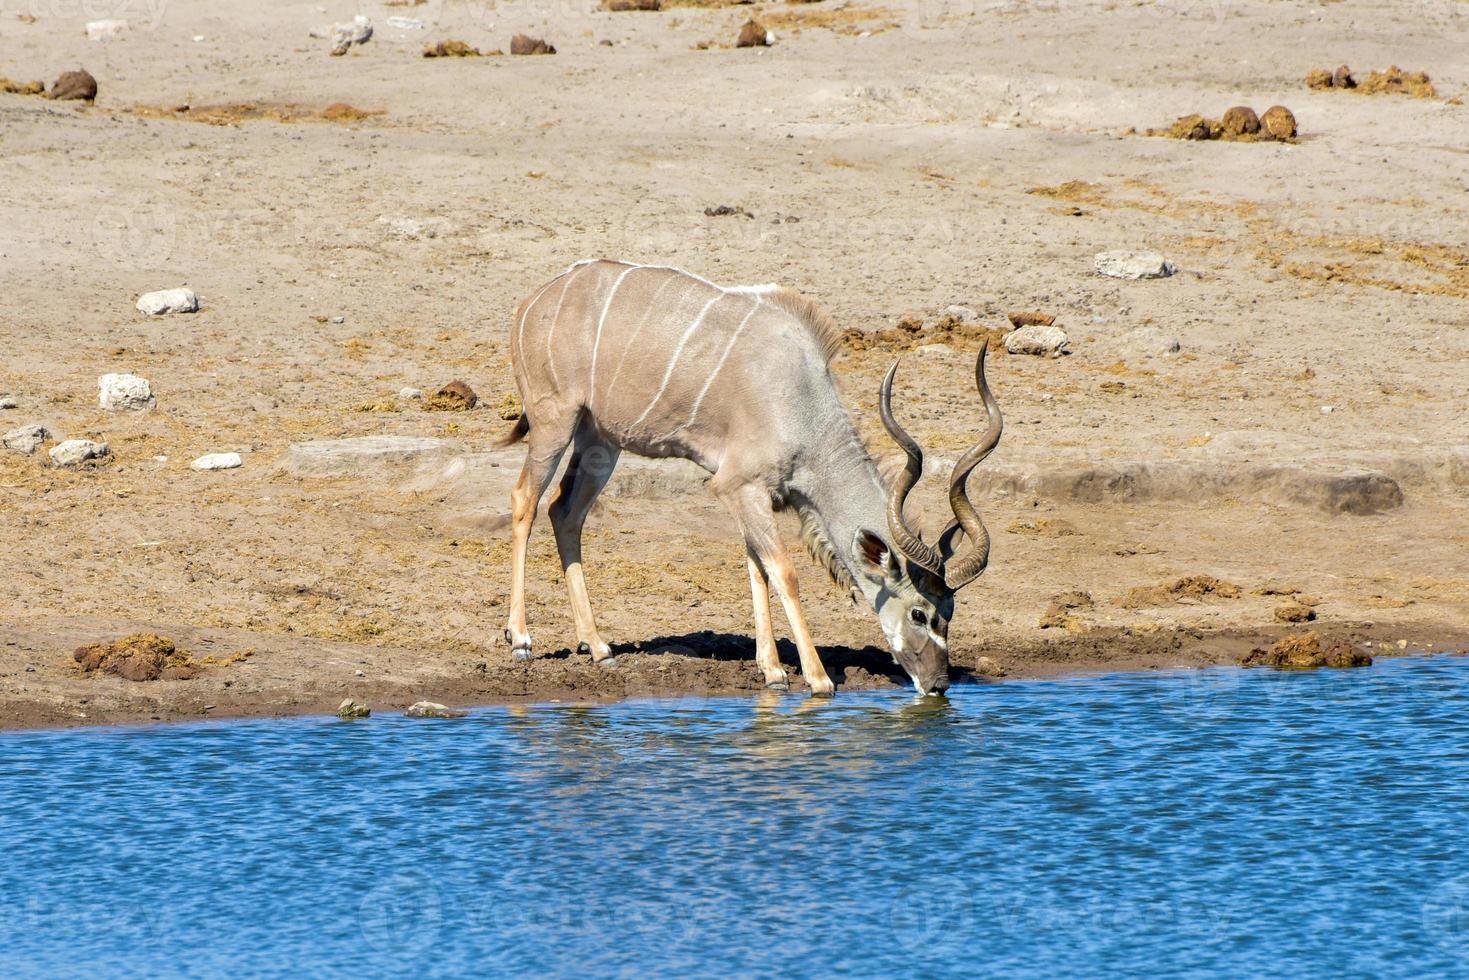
(838, 485)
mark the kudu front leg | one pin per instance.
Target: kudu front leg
(756, 517)
(766, 656)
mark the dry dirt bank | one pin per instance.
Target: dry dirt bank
(969, 154)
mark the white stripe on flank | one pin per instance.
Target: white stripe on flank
(601, 320)
(717, 368)
(525, 314)
(652, 307)
(556, 318)
(677, 352)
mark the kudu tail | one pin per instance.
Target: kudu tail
(521, 430)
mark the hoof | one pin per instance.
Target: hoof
(824, 690)
(522, 654)
(608, 662)
(778, 686)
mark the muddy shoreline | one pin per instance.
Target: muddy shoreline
(276, 682)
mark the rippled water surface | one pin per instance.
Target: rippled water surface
(1221, 822)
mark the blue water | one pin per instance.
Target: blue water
(1225, 822)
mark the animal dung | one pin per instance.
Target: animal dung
(1392, 81)
(1395, 81)
(754, 35)
(74, 85)
(1239, 125)
(139, 657)
(21, 88)
(525, 44)
(1306, 651)
(1279, 122)
(1240, 120)
(456, 396)
(454, 49)
(621, 5)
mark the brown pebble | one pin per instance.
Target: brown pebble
(74, 85)
(1030, 318)
(618, 5)
(1279, 122)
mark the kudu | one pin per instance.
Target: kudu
(611, 356)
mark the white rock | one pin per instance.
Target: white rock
(124, 391)
(217, 461)
(169, 301)
(405, 23)
(1134, 265)
(74, 452)
(1147, 342)
(27, 439)
(1050, 341)
(105, 30)
(408, 394)
(356, 31)
(7, 402)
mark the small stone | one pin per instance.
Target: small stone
(754, 35)
(1046, 341)
(217, 461)
(525, 44)
(432, 709)
(124, 391)
(1327, 409)
(339, 319)
(1133, 265)
(350, 709)
(409, 394)
(27, 439)
(75, 452)
(168, 301)
(7, 403)
(405, 23)
(74, 85)
(1279, 122)
(963, 314)
(105, 30)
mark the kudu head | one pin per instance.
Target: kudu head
(917, 581)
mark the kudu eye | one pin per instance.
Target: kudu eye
(919, 617)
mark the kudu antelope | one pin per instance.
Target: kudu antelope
(611, 356)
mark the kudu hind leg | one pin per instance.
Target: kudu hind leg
(756, 518)
(542, 455)
(587, 474)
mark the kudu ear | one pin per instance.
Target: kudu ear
(874, 555)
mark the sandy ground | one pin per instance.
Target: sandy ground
(895, 159)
